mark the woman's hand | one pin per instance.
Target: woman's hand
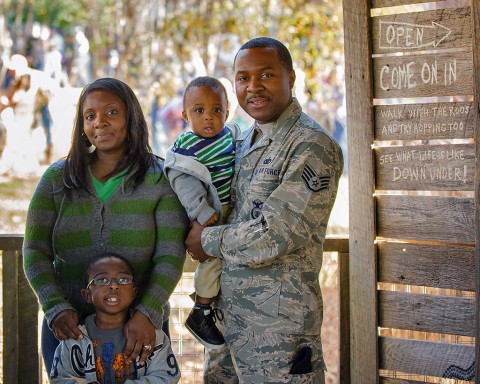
(141, 337)
(65, 325)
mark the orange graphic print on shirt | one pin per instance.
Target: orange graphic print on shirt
(110, 368)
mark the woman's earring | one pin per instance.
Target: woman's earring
(88, 145)
(87, 142)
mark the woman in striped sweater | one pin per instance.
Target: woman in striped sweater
(108, 195)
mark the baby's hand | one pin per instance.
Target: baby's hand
(212, 220)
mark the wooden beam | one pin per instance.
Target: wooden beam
(359, 103)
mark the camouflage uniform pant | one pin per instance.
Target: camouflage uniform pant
(263, 358)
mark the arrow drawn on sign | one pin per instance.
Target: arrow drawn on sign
(394, 34)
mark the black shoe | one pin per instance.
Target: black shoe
(201, 323)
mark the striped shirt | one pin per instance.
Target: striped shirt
(65, 231)
(216, 153)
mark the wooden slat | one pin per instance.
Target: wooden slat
(410, 32)
(429, 218)
(344, 318)
(392, 3)
(358, 81)
(446, 167)
(10, 317)
(390, 380)
(30, 362)
(427, 313)
(426, 357)
(434, 74)
(434, 121)
(431, 265)
(21, 360)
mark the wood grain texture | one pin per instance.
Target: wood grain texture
(430, 265)
(427, 313)
(423, 75)
(476, 59)
(391, 380)
(434, 121)
(446, 167)
(344, 375)
(426, 357)
(393, 3)
(359, 105)
(427, 218)
(418, 31)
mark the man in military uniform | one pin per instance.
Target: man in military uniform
(286, 178)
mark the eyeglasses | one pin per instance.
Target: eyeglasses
(104, 280)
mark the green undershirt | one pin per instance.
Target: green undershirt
(105, 190)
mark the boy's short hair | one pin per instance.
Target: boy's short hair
(106, 255)
(205, 81)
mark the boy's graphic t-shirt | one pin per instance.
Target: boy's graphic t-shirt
(111, 364)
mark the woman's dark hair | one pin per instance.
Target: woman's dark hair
(205, 81)
(106, 255)
(138, 154)
(268, 42)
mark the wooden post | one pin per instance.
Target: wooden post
(344, 319)
(21, 357)
(358, 78)
(10, 317)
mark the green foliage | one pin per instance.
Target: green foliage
(157, 40)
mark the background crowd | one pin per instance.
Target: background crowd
(157, 47)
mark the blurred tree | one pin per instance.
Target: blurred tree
(167, 42)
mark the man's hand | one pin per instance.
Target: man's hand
(141, 337)
(194, 243)
(65, 325)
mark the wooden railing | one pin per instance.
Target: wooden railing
(21, 359)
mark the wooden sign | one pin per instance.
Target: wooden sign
(433, 121)
(420, 31)
(439, 74)
(426, 167)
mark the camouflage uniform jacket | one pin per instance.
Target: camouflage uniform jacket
(283, 191)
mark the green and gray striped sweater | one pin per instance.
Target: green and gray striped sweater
(64, 231)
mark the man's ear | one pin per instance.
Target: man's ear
(134, 291)
(226, 117)
(291, 78)
(184, 115)
(87, 295)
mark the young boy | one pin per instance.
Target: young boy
(98, 356)
(200, 167)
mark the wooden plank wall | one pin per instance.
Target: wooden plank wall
(413, 151)
(476, 68)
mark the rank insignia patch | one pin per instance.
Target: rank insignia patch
(314, 182)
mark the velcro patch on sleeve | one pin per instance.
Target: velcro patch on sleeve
(314, 182)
